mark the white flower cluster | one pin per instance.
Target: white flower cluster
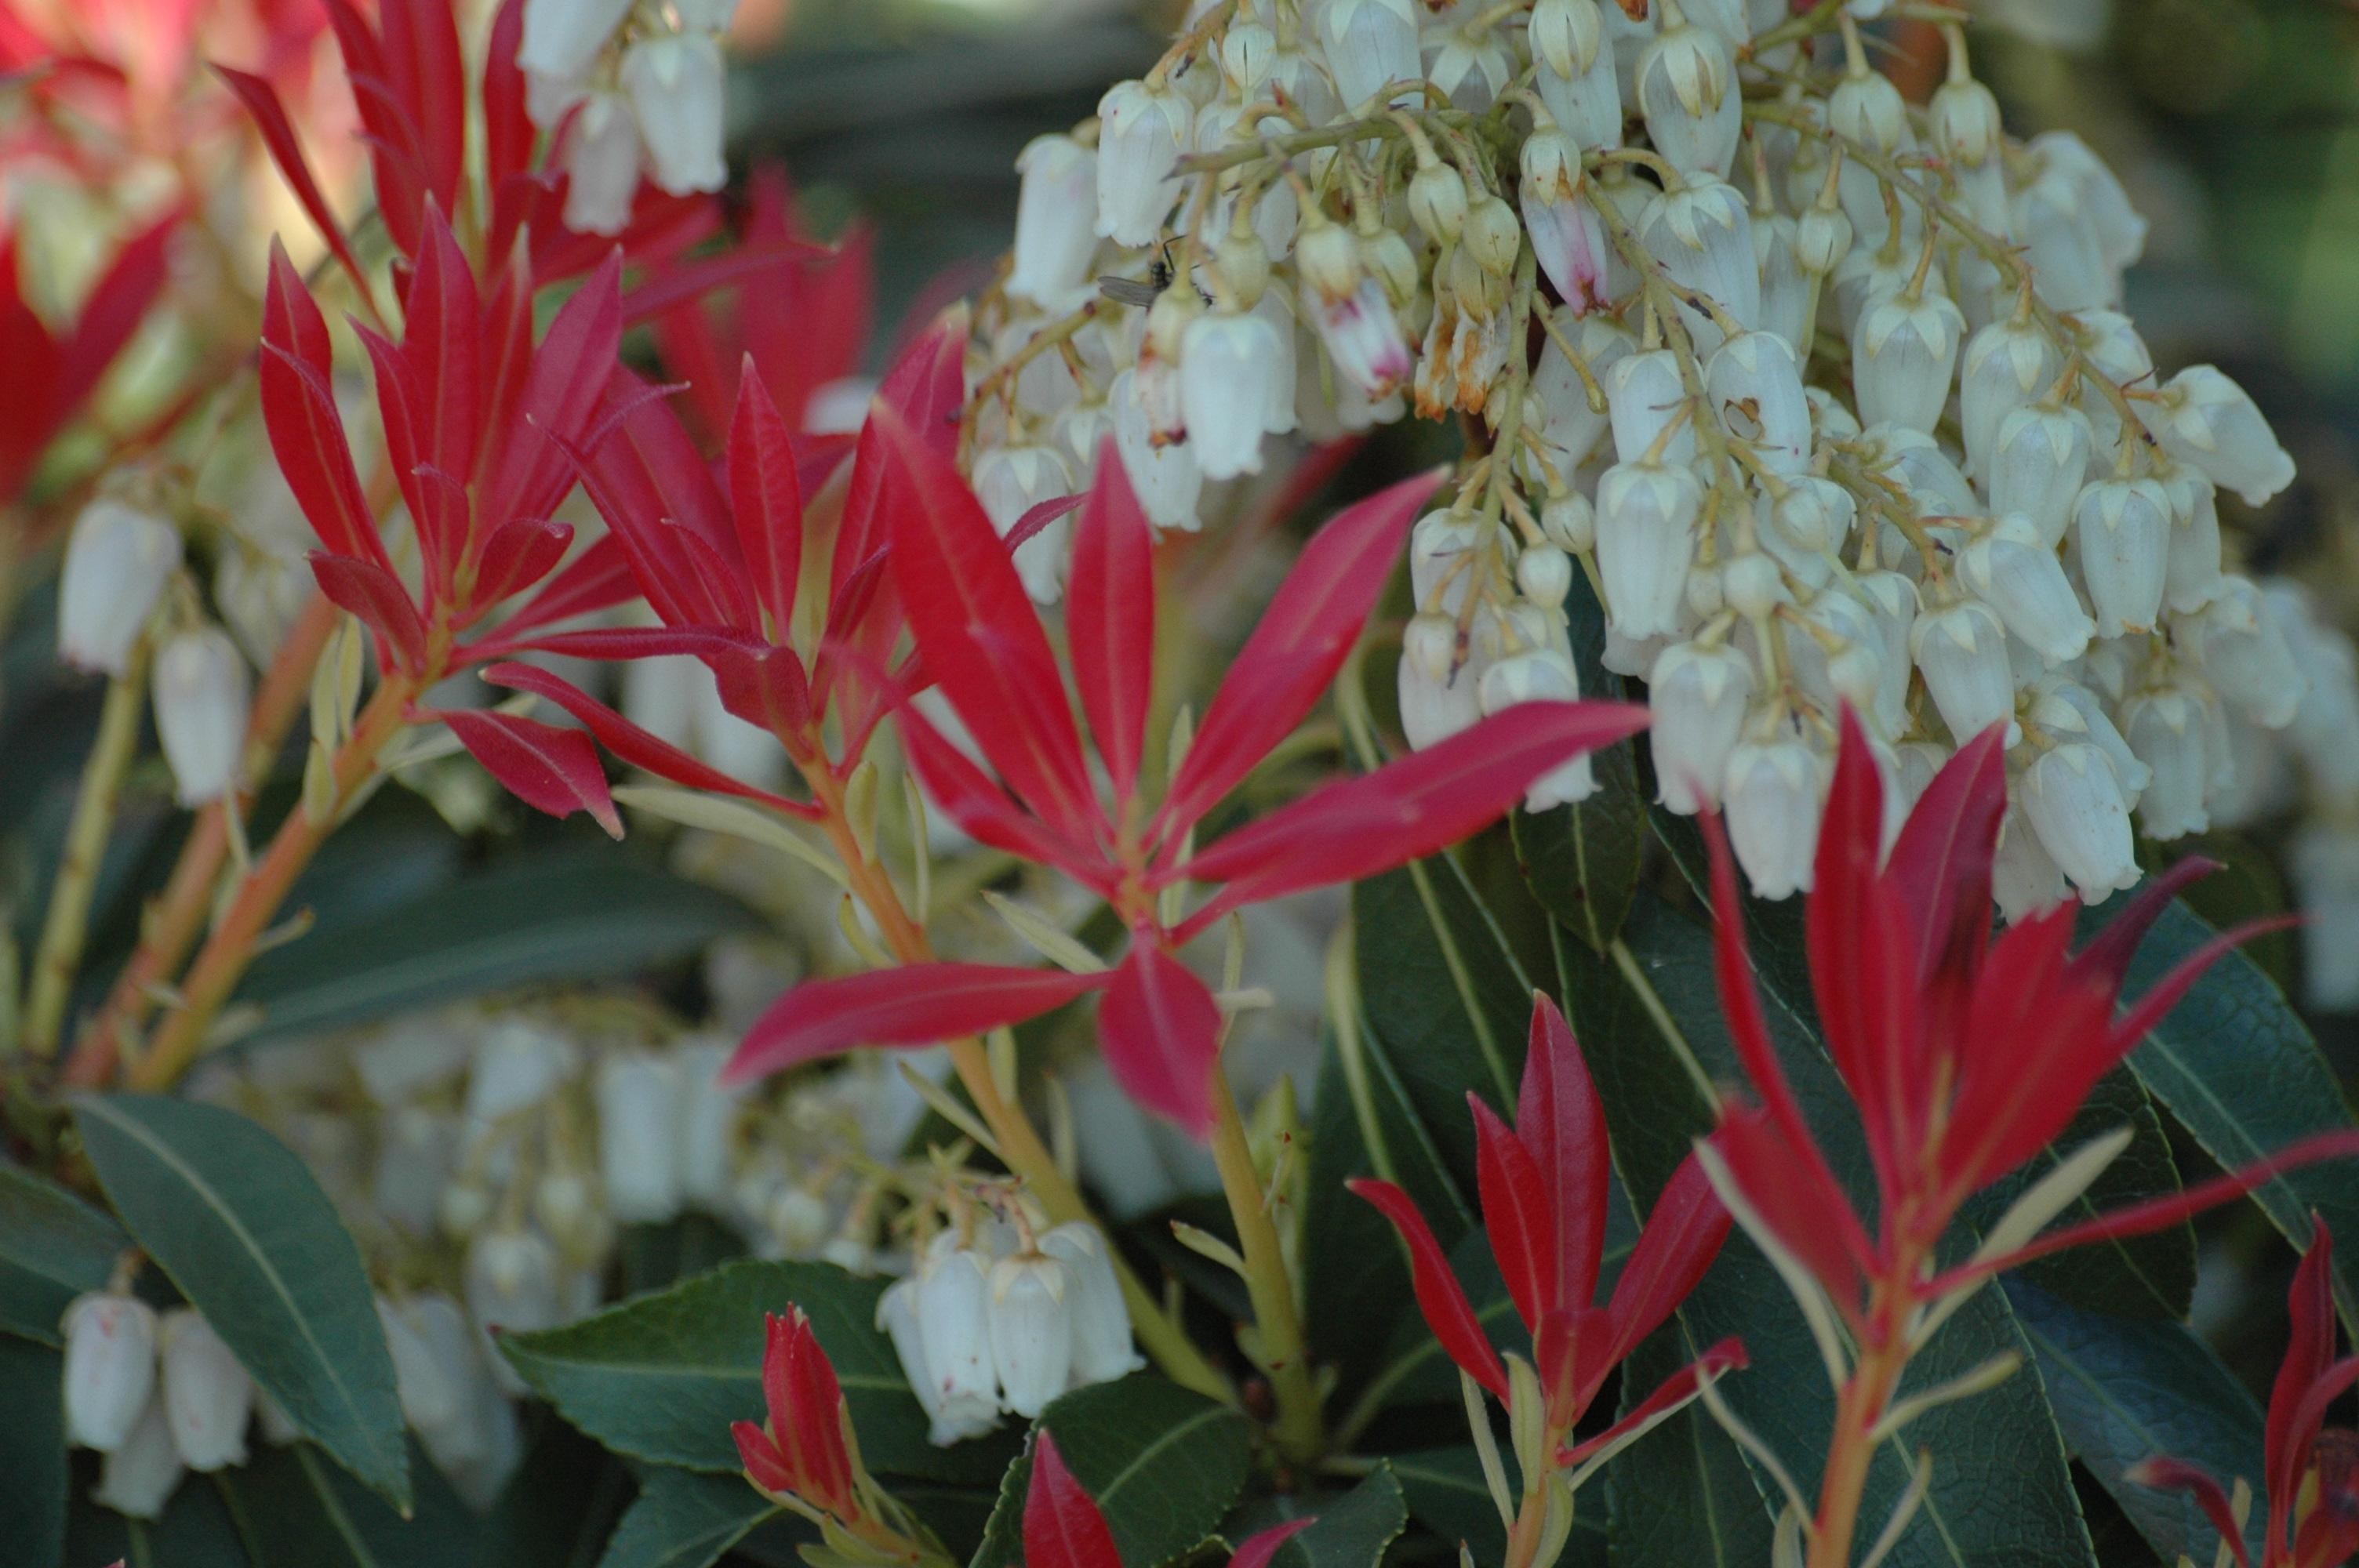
(1833, 399)
(120, 561)
(636, 87)
(157, 1395)
(1003, 1313)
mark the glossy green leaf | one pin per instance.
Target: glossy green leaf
(1163, 1465)
(299, 1509)
(32, 1453)
(683, 1519)
(2127, 1389)
(660, 1377)
(1684, 1493)
(1582, 860)
(248, 1237)
(567, 915)
(1351, 1531)
(53, 1247)
(562, 1504)
(1444, 1491)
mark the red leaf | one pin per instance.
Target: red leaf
(1262, 1546)
(1109, 620)
(1677, 1389)
(555, 770)
(306, 434)
(1160, 1031)
(1516, 1213)
(918, 1004)
(978, 633)
(632, 744)
(981, 808)
(376, 595)
(508, 132)
(519, 553)
(927, 387)
(1559, 1118)
(424, 63)
(1789, 1188)
(687, 282)
(261, 100)
(1438, 1294)
(117, 303)
(767, 501)
(2310, 1350)
(606, 643)
(598, 578)
(1681, 1238)
(1940, 864)
(1302, 639)
(1356, 827)
(2178, 1475)
(570, 371)
(442, 345)
(1062, 1528)
(1038, 518)
(766, 688)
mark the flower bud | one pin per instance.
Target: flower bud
(1570, 521)
(2165, 725)
(1493, 237)
(1646, 517)
(602, 159)
(2038, 461)
(1773, 793)
(202, 694)
(638, 1123)
(117, 559)
(1371, 45)
(2017, 574)
(1429, 642)
(1540, 675)
(141, 1472)
(208, 1398)
(1686, 82)
(1962, 652)
(2122, 530)
(1697, 694)
(1902, 356)
(110, 1364)
(2074, 804)
(1822, 240)
(1102, 1345)
(2209, 422)
(1437, 202)
(1964, 120)
(1141, 130)
(1056, 222)
(675, 85)
(1031, 1330)
(564, 38)
(1544, 575)
(1228, 376)
(2245, 656)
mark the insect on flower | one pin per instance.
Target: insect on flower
(981, 642)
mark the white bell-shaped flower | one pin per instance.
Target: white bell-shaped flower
(951, 1420)
(1646, 515)
(708, 1117)
(2007, 366)
(1229, 377)
(415, 1145)
(1363, 337)
(513, 1280)
(141, 1472)
(1566, 36)
(2122, 539)
(2192, 577)
(1583, 93)
(2067, 708)
(2206, 419)
(519, 1065)
(675, 85)
(1812, 518)
(2068, 259)
(1449, 553)
(1573, 428)
(1892, 600)
(953, 1306)
(1702, 230)
(1686, 82)
(1755, 387)
(1566, 238)
(2120, 231)
(1143, 128)
(1960, 650)
(2323, 861)
(110, 1367)
(2074, 803)
(2037, 462)
(1789, 293)
(2246, 657)
(602, 158)
(1031, 1330)
(1166, 478)
(1540, 675)
(117, 559)
(564, 38)
(1773, 796)
(2017, 573)
(2024, 878)
(2165, 725)
(1902, 357)
(1698, 693)
(1441, 686)
(433, 1394)
(208, 1398)
(1101, 1342)
(201, 693)
(1010, 481)
(1644, 396)
(639, 1126)
(1371, 45)
(1056, 222)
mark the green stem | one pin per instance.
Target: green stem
(1277, 1324)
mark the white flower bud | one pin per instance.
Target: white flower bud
(2121, 531)
(1056, 222)
(602, 165)
(953, 1314)
(674, 84)
(2007, 366)
(1429, 642)
(1229, 373)
(1142, 131)
(1544, 575)
(1102, 1345)
(2017, 574)
(2166, 726)
(202, 695)
(110, 1368)
(1752, 585)
(1774, 790)
(142, 1472)
(1686, 82)
(117, 559)
(639, 1124)
(1822, 240)
(564, 38)
(2193, 576)
(1166, 477)
(708, 1116)
(208, 1398)
(1755, 387)
(1012, 480)
(1437, 203)
(952, 1420)
(2246, 657)
(519, 1065)
(1031, 1330)
(1697, 694)
(1371, 44)
(2024, 879)
(1540, 675)
(512, 1280)
(1570, 521)
(2074, 804)
(1962, 652)
(797, 1220)
(1702, 230)
(2038, 460)
(1646, 516)
(2209, 421)
(1493, 237)
(1902, 356)
(1642, 395)
(1964, 119)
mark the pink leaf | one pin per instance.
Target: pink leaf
(1681, 1238)
(306, 434)
(1109, 620)
(376, 595)
(1941, 865)
(1517, 1214)
(1560, 1119)
(981, 808)
(1261, 1547)
(508, 132)
(261, 100)
(442, 343)
(765, 499)
(1302, 639)
(1439, 1296)
(555, 770)
(1161, 1030)
(916, 1004)
(1728, 1356)
(1036, 519)
(519, 553)
(1062, 1528)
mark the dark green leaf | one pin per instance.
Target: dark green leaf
(568, 915)
(32, 1453)
(1353, 1531)
(2127, 1389)
(53, 1247)
(1684, 1493)
(299, 1509)
(661, 1377)
(199, 1530)
(248, 1237)
(559, 1506)
(1582, 859)
(1444, 1490)
(649, 1257)
(1162, 1464)
(686, 1520)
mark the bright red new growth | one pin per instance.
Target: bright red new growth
(802, 1449)
(1062, 1527)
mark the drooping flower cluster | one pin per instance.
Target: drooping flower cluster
(629, 88)
(157, 1395)
(1833, 396)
